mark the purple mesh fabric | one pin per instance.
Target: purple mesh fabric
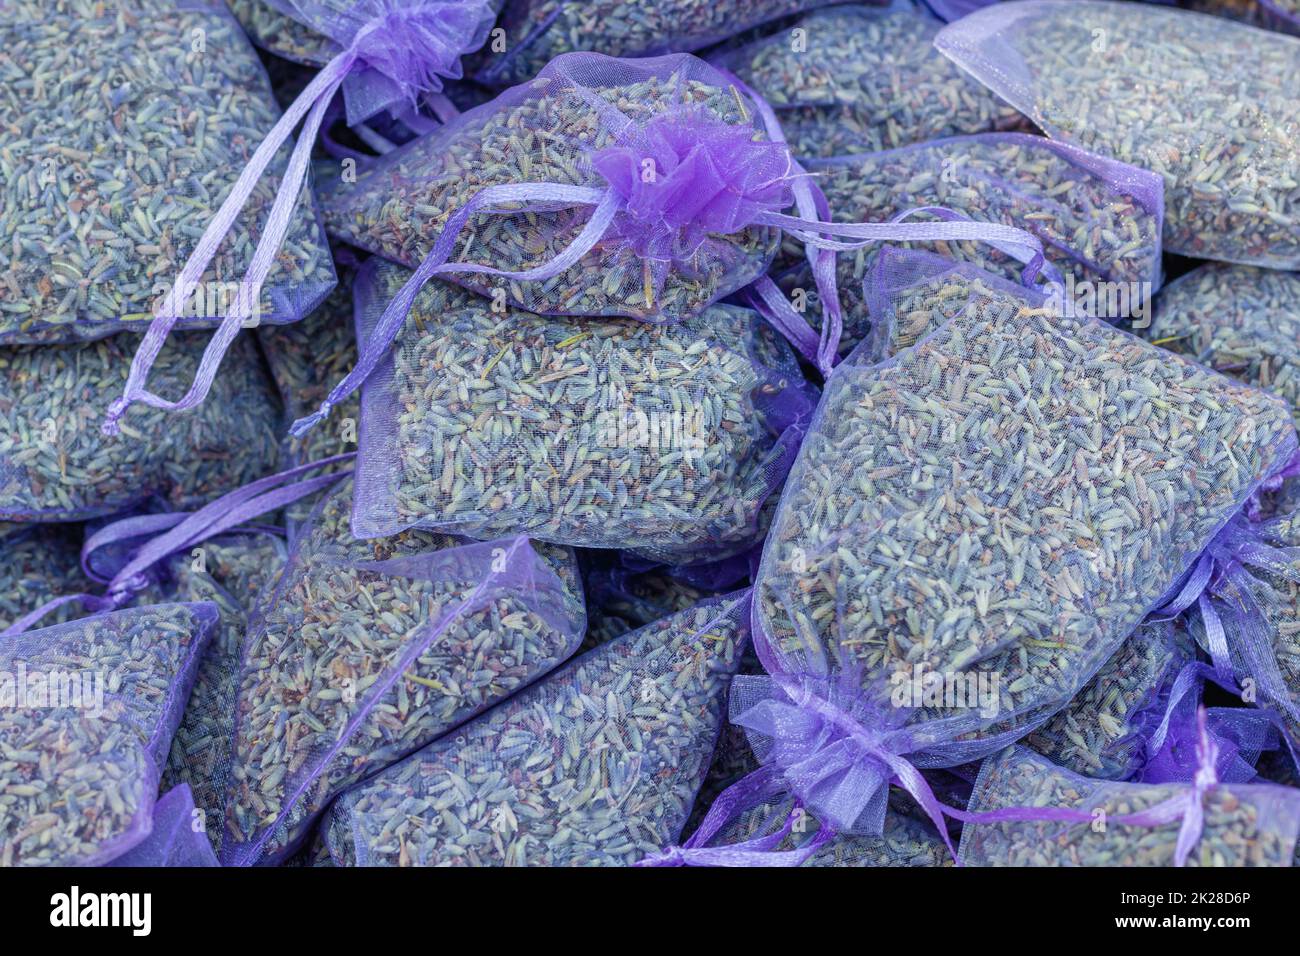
(664, 439)
(537, 31)
(1244, 824)
(950, 10)
(93, 704)
(859, 79)
(76, 141)
(1256, 600)
(1240, 735)
(177, 837)
(407, 47)
(1104, 731)
(581, 106)
(56, 465)
(368, 650)
(881, 572)
(597, 765)
(1160, 88)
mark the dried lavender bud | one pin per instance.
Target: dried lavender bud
(127, 125)
(1164, 90)
(56, 463)
(1245, 824)
(613, 433)
(545, 133)
(1239, 320)
(368, 650)
(1099, 733)
(1005, 500)
(87, 709)
(41, 562)
(1099, 220)
(854, 79)
(595, 766)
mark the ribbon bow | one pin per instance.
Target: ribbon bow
(769, 782)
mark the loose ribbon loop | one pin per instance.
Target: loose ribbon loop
(609, 204)
(181, 531)
(769, 781)
(1221, 585)
(412, 47)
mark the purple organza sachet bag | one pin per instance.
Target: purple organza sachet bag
(1125, 824)
(668, 440)
(596, 765)
(859, 79)
(115, 167)
(533, 32)
(1163, 89)
(57, 466)
(1099, 220)
(971, 529)
(368, 650)
(178, 837)
(87, 713)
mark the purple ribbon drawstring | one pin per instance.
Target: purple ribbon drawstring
(181, 531)
(1221, 585)
(607, 204)
(812, 204)
(1187, 807)
(407, 46)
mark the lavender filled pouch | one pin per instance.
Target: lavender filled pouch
(533, 32)
(860, 79)
(367, 650)
(597, 765)
(126, 126)
(1239, 824)
(612, 433)
(57, 465)
(1099, 220)
(87, 712)
(972, 528)
(1162, 89)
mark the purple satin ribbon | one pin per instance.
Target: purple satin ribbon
(765, 783)
(397, 43)
(812, 204)
(547, 195)
(182, 531)
(1220, 586)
